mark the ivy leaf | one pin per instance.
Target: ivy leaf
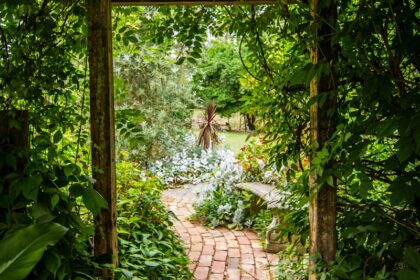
(180, 60)
(29, 186)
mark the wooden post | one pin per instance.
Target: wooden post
(103, 130)
(322, 208)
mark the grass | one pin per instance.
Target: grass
(236, 120)
(235, 140)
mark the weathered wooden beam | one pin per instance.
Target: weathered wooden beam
(189, 2)
(102, 129)
(322, 208)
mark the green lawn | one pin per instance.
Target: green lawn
(234, 141)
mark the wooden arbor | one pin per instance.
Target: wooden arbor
(322, 207)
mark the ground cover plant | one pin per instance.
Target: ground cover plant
(192, 164)
(149, 249)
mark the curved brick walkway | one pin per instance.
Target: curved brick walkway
(217, 253)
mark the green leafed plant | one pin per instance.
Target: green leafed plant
(22, 249)
(148, 248)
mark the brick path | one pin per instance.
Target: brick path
(217, 253)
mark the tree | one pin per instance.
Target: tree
(218, 79)
(154, 104)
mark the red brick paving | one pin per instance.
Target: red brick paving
(218, 253)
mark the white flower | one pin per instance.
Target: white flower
(224, 208)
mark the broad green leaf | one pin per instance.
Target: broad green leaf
(94, 201)
(22, 250)
(29, 186)
(52, 262)
(407, 274)
(69, 169)
(412, 257)
(58, 136)
(76, 190)
(54, 200)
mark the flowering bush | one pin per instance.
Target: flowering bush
(219, 204)
(254, 161)
(194, 165)
(223, 207)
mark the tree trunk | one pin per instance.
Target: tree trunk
(322, 208)
(250, 122)
(103, 130)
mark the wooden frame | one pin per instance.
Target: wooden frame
(103, 130)
(189, 3)
(322, 207)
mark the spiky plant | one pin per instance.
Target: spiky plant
(208, 136)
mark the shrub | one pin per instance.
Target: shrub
(254, 161)
(194, 165)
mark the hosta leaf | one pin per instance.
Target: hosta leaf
(22, 250)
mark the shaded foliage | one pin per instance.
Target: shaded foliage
(43, 72)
